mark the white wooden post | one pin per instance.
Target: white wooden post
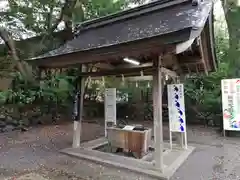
(110, 108)
(77, 125)
(157, 112)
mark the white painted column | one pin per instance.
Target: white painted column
(77, 125)
(157, 112)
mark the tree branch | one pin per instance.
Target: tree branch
(66, 8)
(49, 18)
(4, 13)
(21, 65)
(5, 37)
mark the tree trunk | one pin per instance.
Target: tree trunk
(232, 14)
(21, 66)
(65, 16)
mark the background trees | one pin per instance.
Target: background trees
(48, 24)
(52, 21)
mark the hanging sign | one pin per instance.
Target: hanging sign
(110, 105)
(176, 108)
(75, 113)
(231, 104)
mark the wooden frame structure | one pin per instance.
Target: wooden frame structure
(167, 37)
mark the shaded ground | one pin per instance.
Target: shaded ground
(36, 151)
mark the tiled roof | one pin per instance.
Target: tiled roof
(154, 19)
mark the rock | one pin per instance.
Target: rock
(23, 129)
(2, 117)
(15, 123)
(24, 122)
(34, 121)
(210, 122)
(9, 120)
(46, 119)
(9, 128)
(2, 124)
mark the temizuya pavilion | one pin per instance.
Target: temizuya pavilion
(167, 37)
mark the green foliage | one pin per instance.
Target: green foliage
(98, 8)
(27, 18)
(3, 97)
(56, 89)
(203, 92)
(24, 18)
(32, 16)
(232, 14)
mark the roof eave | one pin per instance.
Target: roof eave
(165, 39)
(212, 41)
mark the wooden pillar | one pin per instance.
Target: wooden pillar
(39, 74)
(77, 124)
(157, 113)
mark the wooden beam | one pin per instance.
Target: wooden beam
(139, 78)
(163, 69)
(104, 66)
(129, 78)
(117, 72)
(133, 66)
(187, 57)
(188, 69)
(197, 69)
(148, 70)
(181, 47)
(203, 51)
(169, 72)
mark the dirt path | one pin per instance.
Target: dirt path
(35, 153)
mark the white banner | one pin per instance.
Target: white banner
(110, 105)
(231, 104)
(176, 108)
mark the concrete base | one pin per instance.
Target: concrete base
(172, 158)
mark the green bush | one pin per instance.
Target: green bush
(203, 95)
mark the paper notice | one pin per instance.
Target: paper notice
(128, 127)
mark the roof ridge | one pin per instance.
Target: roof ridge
(128, 13)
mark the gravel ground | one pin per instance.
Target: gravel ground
(35, 155)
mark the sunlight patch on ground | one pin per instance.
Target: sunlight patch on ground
(31, 176)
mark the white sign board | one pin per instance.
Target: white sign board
(110, 105)
(176, 108)
(231, 104)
